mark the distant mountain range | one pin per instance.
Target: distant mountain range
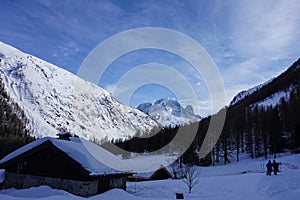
(169, 112)
(47, 99)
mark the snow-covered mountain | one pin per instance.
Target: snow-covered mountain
(272, 92)
(169, 112)
(243, 94)
(54, 99)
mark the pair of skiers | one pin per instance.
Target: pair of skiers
(274, 165)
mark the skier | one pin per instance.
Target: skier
(269, 166)
(275, 167)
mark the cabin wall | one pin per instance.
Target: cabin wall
(108, 183)
(118, 183)
(81, 188)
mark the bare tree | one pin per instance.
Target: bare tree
(191, 176)
(174, 167)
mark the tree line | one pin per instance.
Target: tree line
(13, 132)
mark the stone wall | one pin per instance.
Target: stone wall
(81, 188)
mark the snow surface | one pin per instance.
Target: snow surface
(54, 99)
(47, 193)
(169, 112)
(274, 99)
(241, 180)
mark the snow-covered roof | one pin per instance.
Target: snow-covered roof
(78, 149)
(149, 174)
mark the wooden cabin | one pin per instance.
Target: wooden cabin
(64, 163)
(159, 174)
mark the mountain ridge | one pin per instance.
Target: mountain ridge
(280, 83)
(169, 112)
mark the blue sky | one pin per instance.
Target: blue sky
(249, 41)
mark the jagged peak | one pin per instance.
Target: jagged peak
(169, 112)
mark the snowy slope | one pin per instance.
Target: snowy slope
(271, 92)
(169, 112)
(271, 100)
(54, 99)
(244, 94)
(274, 99)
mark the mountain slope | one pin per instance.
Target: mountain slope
(168, 112)
(271, 92)
(243, 94)
(54, 99)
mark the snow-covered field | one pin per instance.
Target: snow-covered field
(242, 180)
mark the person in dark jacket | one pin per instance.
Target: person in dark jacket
(269, 166)
(275, 167)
